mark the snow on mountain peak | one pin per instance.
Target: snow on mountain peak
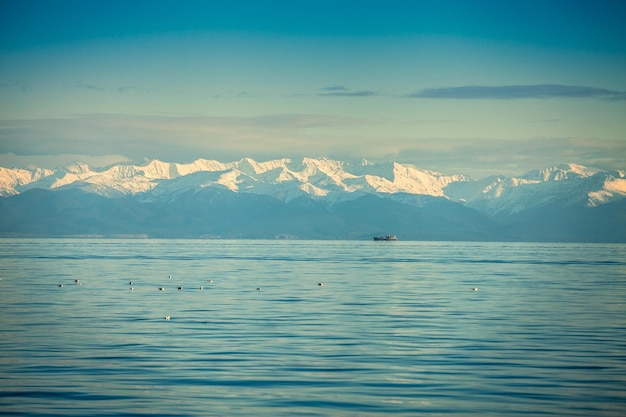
(326, 179)
(251, 167)
(12, 179)
(560, 172)
(156, 169)
(77, 168)
(409, 179)
(614, 187)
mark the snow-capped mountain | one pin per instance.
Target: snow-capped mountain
(561, 185)
(323, 178)
(281, 178)
(333, 188)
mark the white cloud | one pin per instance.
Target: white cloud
(103, 139)
(10, 160)
(510, 92)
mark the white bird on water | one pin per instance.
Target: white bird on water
(474, 288)
(167, 317)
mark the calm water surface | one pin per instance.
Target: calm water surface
(396, 329)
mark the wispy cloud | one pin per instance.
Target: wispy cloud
(483, 157)
(196, 136)
(87, 86)
(13, 86)
(363, 93)
(511, 92)
(342, 91)
(288, 135)
(335, 88)
(124, 89)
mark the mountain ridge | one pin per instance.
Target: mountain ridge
(311, 198)
(319, 177)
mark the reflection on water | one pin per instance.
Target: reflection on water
(395, 329)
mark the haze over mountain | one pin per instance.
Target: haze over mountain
(311, 199)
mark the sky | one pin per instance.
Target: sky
(474, 87)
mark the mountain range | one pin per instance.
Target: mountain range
(311, 198)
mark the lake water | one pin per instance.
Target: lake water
(395, 329)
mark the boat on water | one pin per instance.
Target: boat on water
(386, 238)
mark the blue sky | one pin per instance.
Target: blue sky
(477, 87)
